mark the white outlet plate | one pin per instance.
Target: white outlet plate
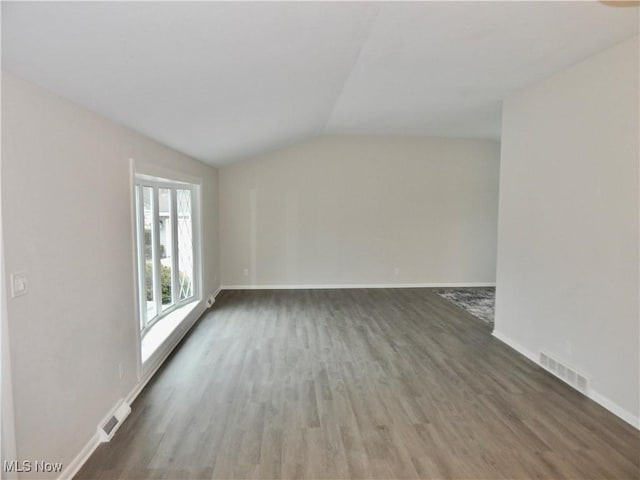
(18, 284)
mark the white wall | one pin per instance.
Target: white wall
(67, 217)
(349, 210)
(568, 261)
(7, 427)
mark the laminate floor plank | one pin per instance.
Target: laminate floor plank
(366, 383)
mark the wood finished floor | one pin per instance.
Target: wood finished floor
(358, 384)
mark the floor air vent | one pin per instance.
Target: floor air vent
(564, 372)
(107, 428)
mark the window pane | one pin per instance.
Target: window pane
(148, 240)
(185, 243)
(164, 217)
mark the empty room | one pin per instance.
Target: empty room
(320, 240)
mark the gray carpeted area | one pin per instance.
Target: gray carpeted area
(478, 301)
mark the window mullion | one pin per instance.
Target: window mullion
(156, 253)
(142, 290)
(175, 274)
(195, 234)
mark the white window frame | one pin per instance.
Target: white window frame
(140, 182)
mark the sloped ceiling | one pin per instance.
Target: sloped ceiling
(223, 81)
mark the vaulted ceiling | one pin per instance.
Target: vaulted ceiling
(223, 81)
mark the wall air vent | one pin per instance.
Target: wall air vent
(564, 372)
(108, 427)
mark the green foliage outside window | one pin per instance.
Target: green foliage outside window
(165, 281)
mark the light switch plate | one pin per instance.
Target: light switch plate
(18, 284)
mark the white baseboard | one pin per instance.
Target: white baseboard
(597, 397)
(76, 464)
(215, 294)
(316, 286)
(516, 346)
(614, 408)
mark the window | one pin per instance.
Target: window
(165, 242)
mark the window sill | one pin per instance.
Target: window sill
(163, 329)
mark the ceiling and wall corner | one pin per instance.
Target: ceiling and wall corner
(222, 81)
